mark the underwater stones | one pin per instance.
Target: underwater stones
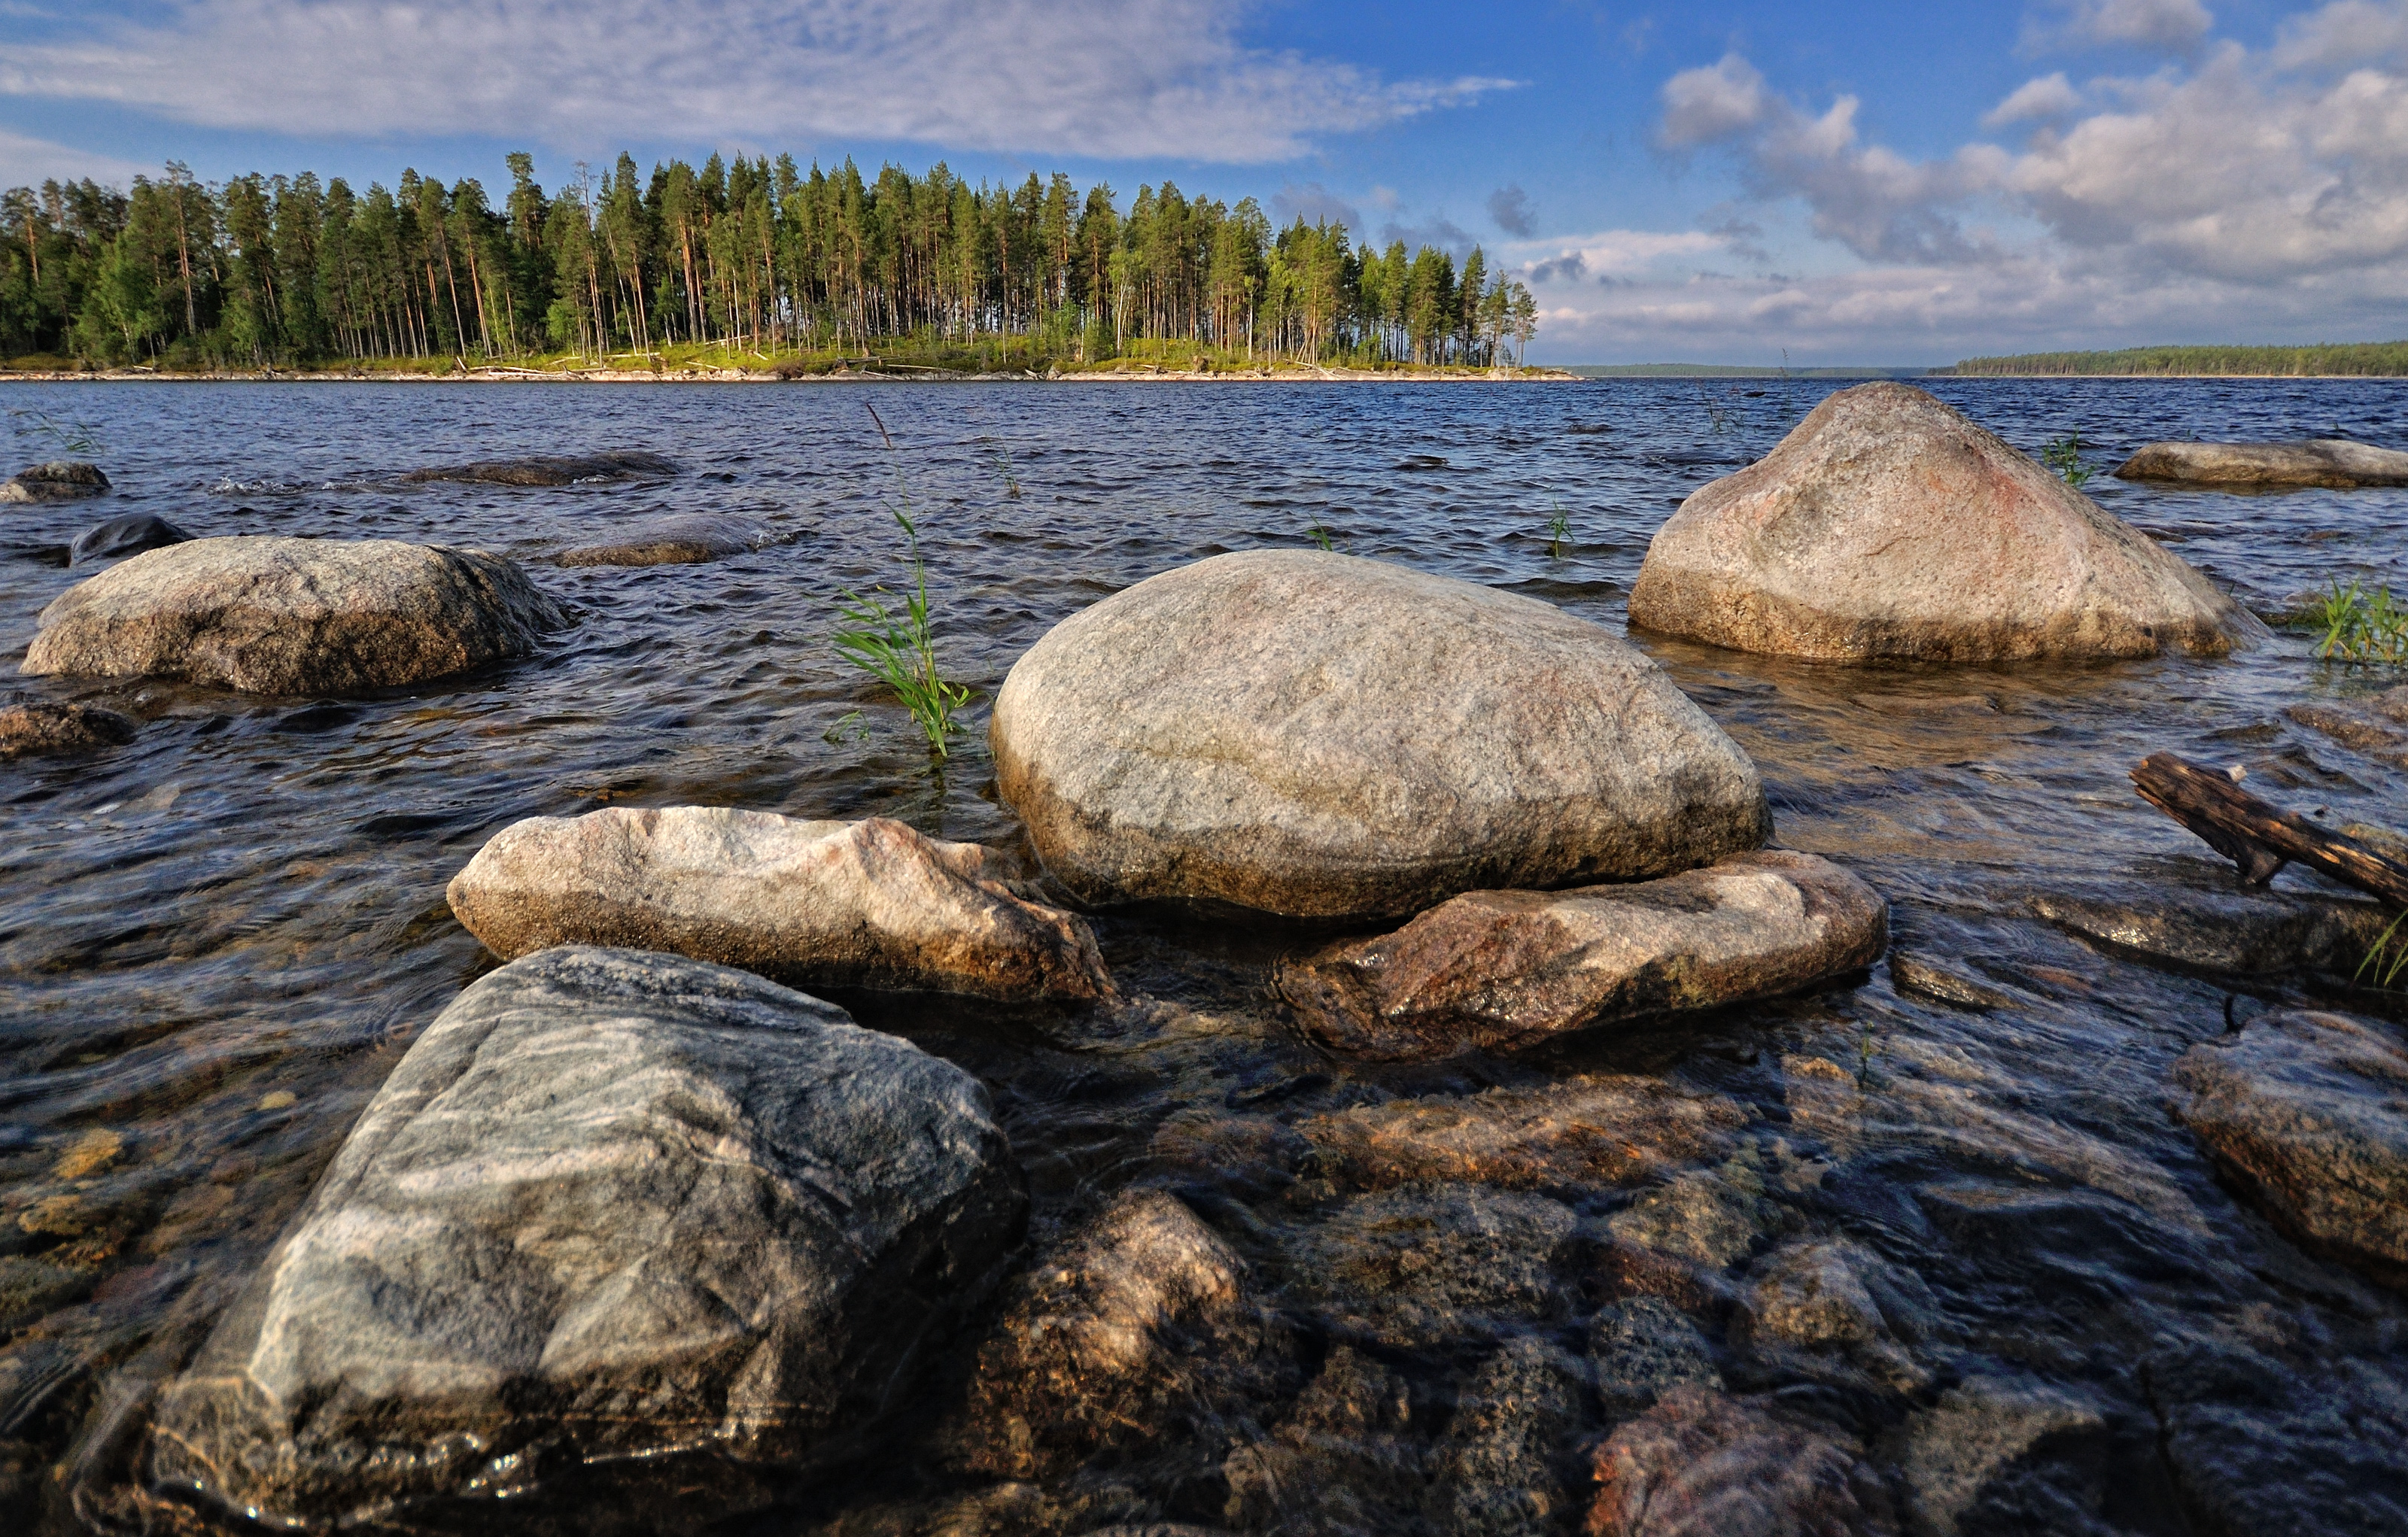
(871, 903)
(1834, 1297)
(1501, 1472)
(2334, 462)
(1702, 1465)
(2239, 933)
(1643, 1347)
(1425, 1265)
(128, 535)
(2307, 1114)
(1576, 1134)
(688, 540)
(277, 616)
(551, 469)
(42, 729)
(1313, 734)
(1980, 1440)
(1499, 971)
(619, 1228)
(2376, 727)
(60, 480)
(1887, 525)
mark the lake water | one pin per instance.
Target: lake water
(216, 941)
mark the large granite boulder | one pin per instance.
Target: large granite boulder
(2307, 1114)
(620, 1230)
(1887, 525)
(277, 616)
(42, 729)
(551, 469)
(2331, 462)
(60, 480)
(1500, 969)
(865, 905)
(1314, 735)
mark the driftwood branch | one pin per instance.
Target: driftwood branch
(2259, 836)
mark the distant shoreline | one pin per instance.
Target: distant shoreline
(906, 375)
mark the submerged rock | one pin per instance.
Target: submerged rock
(2307, 1114)
(689, 540)
(1837, 1297)
(1502, 1472)
(2236, 932)
(1346, 1462)
(128, 535)
(278, 615)
(1315, 735)
(1980, 1440)
(1428, 1265)
(2378, 726)
(1703, 1465)
(1643, 1347)
(60, 480)
(1577, 1135)
(2331, 462)
(619, 1228)
(1887, 525)
(551, 469)
(48, 729)
(1501, 970)
(871, 903)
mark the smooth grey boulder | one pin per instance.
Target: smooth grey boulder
(688, 540)
(551, 469)
(1887, 525)
(871, 903)
(278, 615)
(128, 535)
(60, 480)
(620, 1228)
(42, 729)
(2330, 461)
(1314, 735)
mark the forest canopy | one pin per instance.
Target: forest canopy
(744, 254)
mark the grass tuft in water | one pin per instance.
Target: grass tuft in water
(1319, 534)
(2064, 456)
(1559, 533)
(79, 438)
(900, 649)
(2359, 626)
(2388, 957)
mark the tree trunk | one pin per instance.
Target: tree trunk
(2258, 836)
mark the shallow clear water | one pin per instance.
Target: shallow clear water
(216, 941)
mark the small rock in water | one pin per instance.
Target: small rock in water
(278, 615)
(2374, 727)
(60, 480)
(1974, 1443)
(871, 903)
(1703, 1465)
(47, 729)
(1839, 1298)
(1641, 1348)
(1502, 970)
(1437, 1264)
(620, 1231)
(2307, 1114)
(689, 540)
(1932, 980)
(1887, 525)
(2330, 461)
(128, 535)
(2236, 932)
(550, 469)
(1708, 1218)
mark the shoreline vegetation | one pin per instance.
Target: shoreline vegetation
(2348, 359)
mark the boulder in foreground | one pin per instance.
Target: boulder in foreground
(2330, 461)
(550, 469)
(688, 540)
(870, 903)
(53, 730)
(1314, 735)
(277, 616)
(2307, 1114)
(60, 480)
(1887, 525)
(619, 1228)
(1497, 970)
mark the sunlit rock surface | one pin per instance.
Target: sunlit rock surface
(59, 480)
(2335, 463)
(45, 729)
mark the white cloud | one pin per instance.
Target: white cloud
(2172, 26)
(1607, 254)
(1708, 105)
(2049, 96)
(1112, 79)
(2350, 34)
(30, 161)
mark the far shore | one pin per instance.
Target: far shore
(1288, 373)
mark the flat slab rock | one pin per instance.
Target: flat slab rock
(2235, 932)
(2307, 1113)
(1313, 734)
(2330, 461)
(277, 616)
(2377, 725)
(689, 540)
(1887, 525)
(551, 469)
(1497, 970)
(619, 1227)
(60, 480)
(871, 903)
(55, 729)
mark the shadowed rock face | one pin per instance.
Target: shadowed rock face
(277, 616)
(550, 469)
(1500, 969)
(1314, 735)
(60, 480)
(128, 535)
(2307, 1113)
(870, 903)
(673, 541)
(1887, 525)
(2334, 462)
(2239, 932)
(45, 729)
(615, 1218)
(1702, 1465)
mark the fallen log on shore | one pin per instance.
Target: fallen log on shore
(2259, 836)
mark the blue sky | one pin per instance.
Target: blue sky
(1859, 182)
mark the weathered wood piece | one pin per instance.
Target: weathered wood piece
(2259, 836)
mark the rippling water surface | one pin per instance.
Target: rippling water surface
(215, 942)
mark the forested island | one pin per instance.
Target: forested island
(744, 262)
(2347, 360)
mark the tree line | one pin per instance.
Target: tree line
(2380, 360)
(746, 255)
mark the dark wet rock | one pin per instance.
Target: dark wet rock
(1643, 1347)
(550, 469)
(50, 730)
(2378, 727)
(1504, 1469)
(1123, 1338)
(1577, 1134)
(1315, 735)
(1937, 979)
(871, 903)
(128, 535)
(2330, 461)
(1837, 1297)
(1252, 1152)
(619, 1225)
(2307, 1114)
(689, 540)
(1887, 525)
(1703, 1465)
(278, 615)
(1502, 970)
(1985, 1442)
(2239, 933)
(1348, 1461)
(1715, 1217)
(1430, 1264)
(60, 480)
